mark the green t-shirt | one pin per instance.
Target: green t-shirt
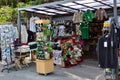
(85, 30)
(88, 16)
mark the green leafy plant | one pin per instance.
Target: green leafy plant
(6, 14)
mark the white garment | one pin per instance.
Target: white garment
(57, 57)
(79, 52)
(55, 32)
(77, 17)
(78, 31)
(36, 18)
(16, 31)
(39, 36)
(32, 23)
(24, 34)
(61, 30)
(24, 48)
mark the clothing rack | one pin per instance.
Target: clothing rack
(6, 42)
(112, 73)
(9, 65)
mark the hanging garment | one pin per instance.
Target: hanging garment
(78, 31)
(16, 32)
(38, 27)
(57, 57)
(61, 30)
(77, 17)
(106, 56)
(100, 15)
(88, 16)
(55, 33)
(31, 36)
(85, 30)
(39, 36)
(115, 29)
(69, 27)
(32, 23)
(24, 34)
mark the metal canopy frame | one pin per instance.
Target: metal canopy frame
(66, 7)
(70, 6)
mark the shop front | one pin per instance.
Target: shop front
(64, 33)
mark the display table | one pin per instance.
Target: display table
(22, 52)
(44, 66)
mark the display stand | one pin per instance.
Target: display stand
(9, 65)
(23, 52)
(44, 62)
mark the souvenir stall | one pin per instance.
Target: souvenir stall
(72, 36)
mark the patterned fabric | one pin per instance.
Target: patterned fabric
(61, 30)
(101, 15)
(32, 23)
(77, 17)
(78, 31)
(24, 34)
(39, 36)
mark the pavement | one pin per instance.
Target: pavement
(87, 70)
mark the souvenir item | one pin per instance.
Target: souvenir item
(88, 16)
(78, 31)
(100, 15)
(77, 17)
(85, 30)
(61, 30)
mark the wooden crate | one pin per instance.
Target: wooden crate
(44, 66)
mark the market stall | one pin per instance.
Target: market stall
(75, 27)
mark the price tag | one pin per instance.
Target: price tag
(112, 43)
(115, 30)
(105, 44)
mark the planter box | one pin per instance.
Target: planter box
(44, 66)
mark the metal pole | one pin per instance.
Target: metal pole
(116, 19)
(115, 9)
(51, 26)
(19, 26)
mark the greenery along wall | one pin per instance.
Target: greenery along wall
(8, 8)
